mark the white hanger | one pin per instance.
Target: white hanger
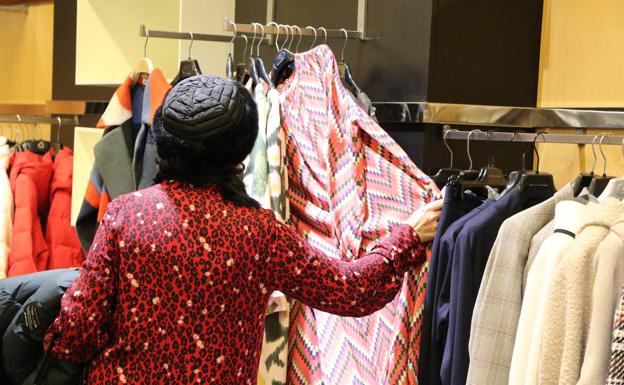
(144, 66)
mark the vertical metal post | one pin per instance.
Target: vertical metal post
(361, 17)
(270, 16)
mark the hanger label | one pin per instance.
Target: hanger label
(281, 56)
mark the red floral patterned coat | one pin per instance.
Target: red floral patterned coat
(175, 286)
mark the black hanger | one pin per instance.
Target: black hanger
(491, 175)
(38, 146)
(242, 75)
(188, 67)
(260, 69)
(284, 63)
(534, 186)
(229, 62)
(470, 174)
(58, 146)
(441, 178)
(584, 179)
(599, 183)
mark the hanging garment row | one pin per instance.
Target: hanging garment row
(36, 180)
(324, 165)
(523, 286)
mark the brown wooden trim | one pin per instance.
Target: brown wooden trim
(23, 109)
(20, 2)
(66, 107)
(64, 62)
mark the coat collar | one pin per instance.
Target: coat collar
(119, 108)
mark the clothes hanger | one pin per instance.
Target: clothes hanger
(344, 70)
(251, 63)
(615, 187)
(144, 66)
(242, 75)
(599, 183)
(491, 175)
(441, 178)
(315, 35)
(583, 180)
(260, 69)
(325, 33)
(58, 146)
(284, 63)
(36, 145)
(533, 186)
(469, 174)
(229, 63)
(188, 67)
(300, 37)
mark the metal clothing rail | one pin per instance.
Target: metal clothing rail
(272, 30)
(145, 32)
(31, 119)
(495, 136)
(498, 116)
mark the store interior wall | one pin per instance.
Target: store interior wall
(26, 61)
(581, 66)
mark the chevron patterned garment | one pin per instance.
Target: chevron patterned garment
(348, 182)
(264, 171)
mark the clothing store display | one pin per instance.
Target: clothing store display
(454, 208)
(34, 311)
(123, 311)
(616, 361)
(605, 297)
(117, 154)
(472, 249)
(348, 181)
(570, 218)
(63, 243)
(568, 305)
(6, 208)
(30, 183)
(497, 307)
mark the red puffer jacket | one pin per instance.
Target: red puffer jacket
(30, 182)
(61, 237)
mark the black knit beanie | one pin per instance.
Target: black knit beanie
(207, 118)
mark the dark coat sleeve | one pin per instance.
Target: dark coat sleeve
(22, 343)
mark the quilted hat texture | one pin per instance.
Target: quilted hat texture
(207, 117)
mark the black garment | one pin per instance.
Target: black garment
(454, 208)
(31, 303)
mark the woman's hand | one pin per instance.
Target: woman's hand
(425, 220)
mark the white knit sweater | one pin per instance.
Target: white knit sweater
(568, 305)
(571, 216)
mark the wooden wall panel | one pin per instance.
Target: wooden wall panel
(582, 54)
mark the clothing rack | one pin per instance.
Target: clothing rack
(145, 32)
(511, 137)
(319, 32)
(35, 119)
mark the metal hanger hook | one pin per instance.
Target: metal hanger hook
(277, 34)
(292, 37)
(145, 45)
(287, 36)
(468, 147)
(344, 45)
(324, 33)
(299, 40)
(246, 42)
(537, 168)
(315, 35)
(233, 36)
(447, 145)
(259, 41)
(253, 40)
(594, 152)
(604, 157)
(58, 129)
(191, 45)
